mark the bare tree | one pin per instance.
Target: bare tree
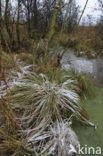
(0, 19)
(17, 24)
(35, 13)
(101, 4)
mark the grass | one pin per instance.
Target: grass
(40, 88)
(11, 142)
(41, 109)
(83, 39)
(56, 140)
(40, 112)
(85, 84)
(8, 61)
(8, 126)
(84, 81)
(46, 104)
(27, 58)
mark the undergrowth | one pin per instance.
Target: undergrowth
(8, 61)
(83, 40)
(37, 114)
(46, 105)
(85, 83)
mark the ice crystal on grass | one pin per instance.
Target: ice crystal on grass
(46, 100)
(56, 141)
(45, 106)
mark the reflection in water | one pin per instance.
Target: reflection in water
(92, 66)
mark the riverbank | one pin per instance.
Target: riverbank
(39, 98)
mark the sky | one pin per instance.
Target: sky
(90, 10)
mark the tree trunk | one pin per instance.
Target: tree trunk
(6, 17)
(52, 31)
(17, 24)
(0, 40)
(0, 60)
(29, 25)
(6, 21)
(35, 14)
(0, 19)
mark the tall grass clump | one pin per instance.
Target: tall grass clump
(47, 108)
(85, 83)
(50, 98)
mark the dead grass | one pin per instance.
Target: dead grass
(83, 39)
(8, 61)
(26, 58)
(11, 141)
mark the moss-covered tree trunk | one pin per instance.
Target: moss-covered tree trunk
(57, 9)
(52, 31)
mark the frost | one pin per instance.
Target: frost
(15, 78)
(57, 139)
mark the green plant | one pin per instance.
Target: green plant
(85, 83)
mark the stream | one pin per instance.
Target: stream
(88, 136)
(80, 64)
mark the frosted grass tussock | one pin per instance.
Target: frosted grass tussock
(47, 101)
(46, 97)
(56, 141)
(45, 105)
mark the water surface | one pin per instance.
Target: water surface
(89, 136)
(80, 64)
